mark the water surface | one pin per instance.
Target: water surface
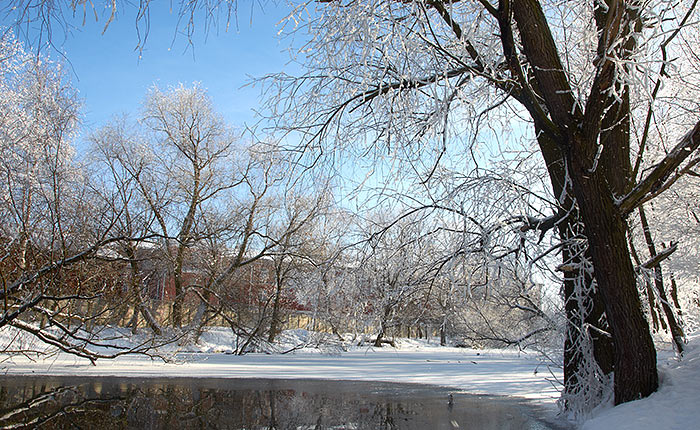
(199, 403)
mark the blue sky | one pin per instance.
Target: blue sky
(113, 79)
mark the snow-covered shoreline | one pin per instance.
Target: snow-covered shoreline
(494, 372)
(479, 372)
(675, 406)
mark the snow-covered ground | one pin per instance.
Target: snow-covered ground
(675, 406)
(501, 372)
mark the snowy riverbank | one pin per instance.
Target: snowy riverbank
(675, 406)
(498, 372)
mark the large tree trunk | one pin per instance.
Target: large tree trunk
(595, 186)
(577, 319)
(635, 356)
(585, 317)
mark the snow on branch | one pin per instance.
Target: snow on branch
(665, 174)
(659, 257)
(542, 224)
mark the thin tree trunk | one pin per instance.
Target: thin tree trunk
(134, 320)
(183, 241)
(275, 320)
(676, 330)
(382, 327)
(150, 319)
(137, 304)
(179, 292)
(23, 236)
(200, 316)
(380, 337)
(674, 295)
(649, 291)
(134, 284)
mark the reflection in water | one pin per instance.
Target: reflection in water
(118, 403)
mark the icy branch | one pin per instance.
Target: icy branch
(658, 258)
(662, 176)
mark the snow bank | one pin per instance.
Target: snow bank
(676, 405)
(500, 372)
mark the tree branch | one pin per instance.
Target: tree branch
(662, 176)
(658, 258)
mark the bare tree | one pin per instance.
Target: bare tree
(585, 82)
(194, 145)
(56, 233)
(132, 213)
(299, 251)
(181, 164)
(414, 79)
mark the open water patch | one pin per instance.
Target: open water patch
(186, 403)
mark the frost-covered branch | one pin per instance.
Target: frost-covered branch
(663, 174)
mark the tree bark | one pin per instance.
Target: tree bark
(648, 290)
(382, 327)
(603, 348)
(178, 300)
(674, 295)
(635, 355)
(596, 177)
